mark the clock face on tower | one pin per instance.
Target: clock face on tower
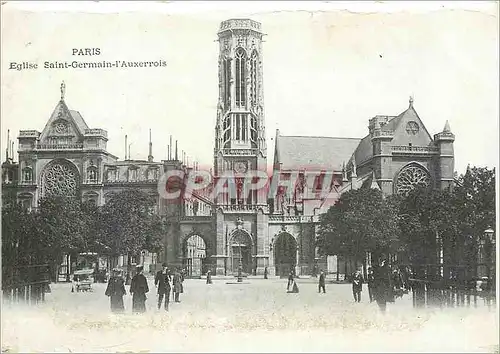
(240, 167)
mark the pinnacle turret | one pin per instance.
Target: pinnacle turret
(446, 128)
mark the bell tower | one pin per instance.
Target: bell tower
(240, 143)
(240, 146)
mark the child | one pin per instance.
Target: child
(357, 286)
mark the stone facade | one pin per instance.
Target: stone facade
(252, 231)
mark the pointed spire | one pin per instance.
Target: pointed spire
(446, 128)
(150, 156)
(12, 151)
(411, 101)
(63, 90)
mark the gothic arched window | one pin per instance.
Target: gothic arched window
(253, 78)
(253, 131)
(410, 177)
(241, 127)
(60, 178)
(226, 67)
(226, 128)
(240, 77)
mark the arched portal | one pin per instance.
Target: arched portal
(195, 255)
(240, 251)
(285, 254)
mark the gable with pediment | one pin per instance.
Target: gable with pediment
(64, 127)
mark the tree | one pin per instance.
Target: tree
(361, 221)
(129, 224)
(61, 227)
(476, 194)
(453, 221)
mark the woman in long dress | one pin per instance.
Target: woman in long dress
(116, 291)
(138, 289)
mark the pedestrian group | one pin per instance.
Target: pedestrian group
(166, 281)
(384, 285)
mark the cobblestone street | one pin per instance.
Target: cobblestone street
(258, 316)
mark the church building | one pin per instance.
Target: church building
(252, 231)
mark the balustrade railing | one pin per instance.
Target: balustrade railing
(29, 133)
(240, 152)
(415, 149)
(293, 218)
(96, 132)
(74, 146)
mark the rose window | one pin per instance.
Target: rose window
(411, 177)
(60, 179)
(412, 128)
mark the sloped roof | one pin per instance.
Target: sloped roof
(62, 111)
(364, 149)
(298, 152)
(79, 121)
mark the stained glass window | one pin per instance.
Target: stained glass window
(410, 177)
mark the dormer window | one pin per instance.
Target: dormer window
(152, 174)
(112, 175)
(133, 172)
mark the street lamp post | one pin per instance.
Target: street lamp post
(489, 238)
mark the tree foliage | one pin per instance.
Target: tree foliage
(362, 220)
(61, 225)
(130, 224)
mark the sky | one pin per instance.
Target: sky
(328, 69)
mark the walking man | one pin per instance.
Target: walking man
(138, 289)
(162, 282)
(209, 277)
(357, 286)
(321, 284)
(265, 273)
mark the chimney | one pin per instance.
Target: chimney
(176, 156)
(170, 153)
(150, 156)
(126, 147)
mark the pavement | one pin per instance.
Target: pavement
(258, 316)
